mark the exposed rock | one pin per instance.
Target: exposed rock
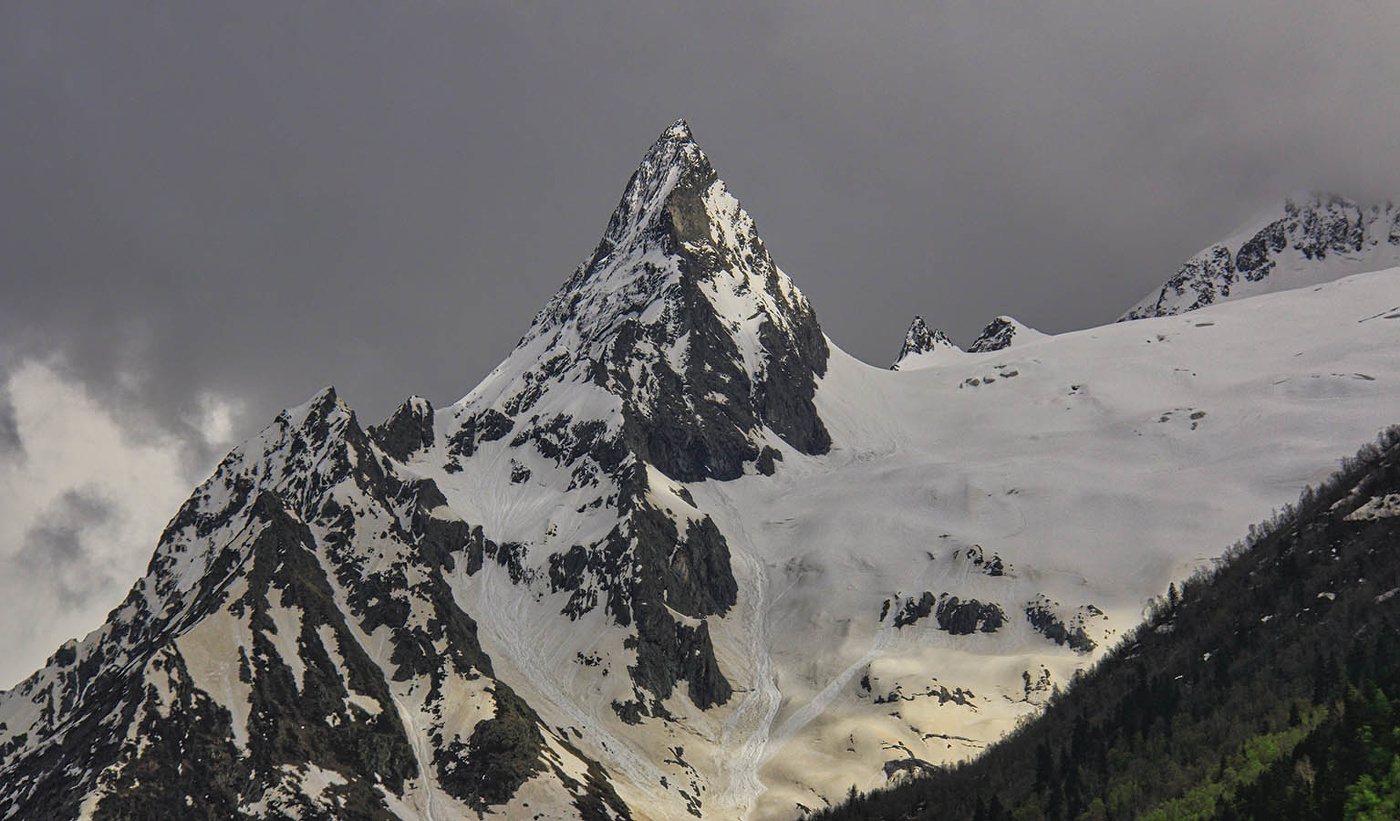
(407, 431)
(954, 616)
(1001, 333)
(919, 340)
(1042, 617)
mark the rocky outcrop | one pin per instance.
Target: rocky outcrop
(1001, 333)
(407, 431)
(920, 340)
(954, 615)
(1044, 618)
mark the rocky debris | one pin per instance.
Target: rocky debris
(991, 565)
(901, 769)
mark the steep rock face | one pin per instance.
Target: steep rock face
(1314, 238)
(407, 431)
(919, 342)
(294, 649)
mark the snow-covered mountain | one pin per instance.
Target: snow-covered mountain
(679, 555)
(1002, 333)
(923, 346)
(1313, 238)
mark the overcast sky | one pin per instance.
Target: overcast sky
(208, 213)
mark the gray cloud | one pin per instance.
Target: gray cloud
(11, 443)
(259, 198)
(54, 549)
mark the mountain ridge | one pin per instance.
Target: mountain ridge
(679, 554)
(1313, 237)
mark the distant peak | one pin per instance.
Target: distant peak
(1001, 333)
(1312, 238)
(321, 403)
(673, 205)
(919, 340)
(674, 150)
(680, 312)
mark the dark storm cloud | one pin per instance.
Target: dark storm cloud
(260, 198)
(11, 444)
(54, 549)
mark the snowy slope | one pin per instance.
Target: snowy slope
(1062, 483)
(1096, 466)
(679, 555)
(1313, 238)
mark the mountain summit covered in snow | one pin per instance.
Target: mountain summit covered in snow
(1313, 238)
(921, 340)
(680, 555)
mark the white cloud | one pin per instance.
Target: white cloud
(83, 500)
(216, 419)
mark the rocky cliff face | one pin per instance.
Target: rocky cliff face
(1313, 238)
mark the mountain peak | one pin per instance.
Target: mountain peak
(677, 137)
(1003, 332)
(672, 198)
(674, 161)
(681, 313)
(920, 340)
